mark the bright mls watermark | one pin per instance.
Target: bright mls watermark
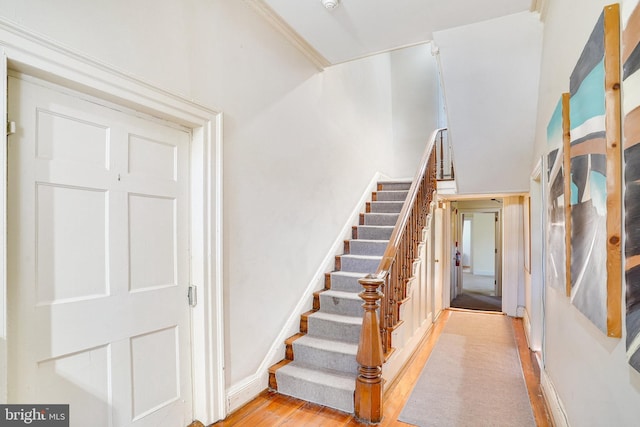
(34, 415)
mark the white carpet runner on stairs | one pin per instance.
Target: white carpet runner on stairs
(324, 365)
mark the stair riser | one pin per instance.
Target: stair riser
(385, 207)
(343, 306)
(391, 196)
(316, 393)
(344, 283)
(325, 359)
(380, 219)
(359, 265)
(394, 186)
(374, 233)
(323, 328)
(368, 248)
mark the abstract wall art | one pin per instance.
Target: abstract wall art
(631, 146)
(595, 171)
(555, 177)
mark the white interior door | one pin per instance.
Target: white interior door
(98, 262)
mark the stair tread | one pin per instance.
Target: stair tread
(341, 294)
(356, 256)
(327, 344)
(358, 274)
(398, 202)
(349, 274)
(327, 377)
(383, 213)
(368, 241)
(375, 226)
(396, 181)
(337, 317)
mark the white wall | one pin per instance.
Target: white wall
(118, 33)
(300, 149)
(588, 370)
(483, 244)
(466, 240)
(300, 146)
(415, 97)
(490, 73)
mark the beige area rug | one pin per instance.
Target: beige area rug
(472, 378)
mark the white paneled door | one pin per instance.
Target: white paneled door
(98, 262)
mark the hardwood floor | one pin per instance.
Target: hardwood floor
(272, 409)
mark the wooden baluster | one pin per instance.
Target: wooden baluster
(384, 318)
(405, 264)
(393, 298)
(441, 157)
(388, 301)
(398, 296)
(368, 395)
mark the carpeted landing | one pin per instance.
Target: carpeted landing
(478, 293)
(477, 301)
(472, 378)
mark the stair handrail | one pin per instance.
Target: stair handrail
(398, 231)
(375, 337)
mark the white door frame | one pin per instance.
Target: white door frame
(498, 238)
(27, 52)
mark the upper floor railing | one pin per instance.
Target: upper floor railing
(444, 155)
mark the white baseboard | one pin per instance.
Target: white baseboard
(556, 409)
(243, 391)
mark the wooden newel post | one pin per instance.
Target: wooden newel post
(368, 395)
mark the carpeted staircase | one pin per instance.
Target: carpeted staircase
(320, 364)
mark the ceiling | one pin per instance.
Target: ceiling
(359, 28)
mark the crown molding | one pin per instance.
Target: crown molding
(290, 34)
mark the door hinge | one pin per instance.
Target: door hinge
(11, 128)
(193, 295)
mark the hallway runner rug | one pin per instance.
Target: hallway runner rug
(472, 378)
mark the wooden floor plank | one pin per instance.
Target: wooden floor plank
(256, 405)
(531, 372)
(279, 409)
(311, 414)
(271, 409)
